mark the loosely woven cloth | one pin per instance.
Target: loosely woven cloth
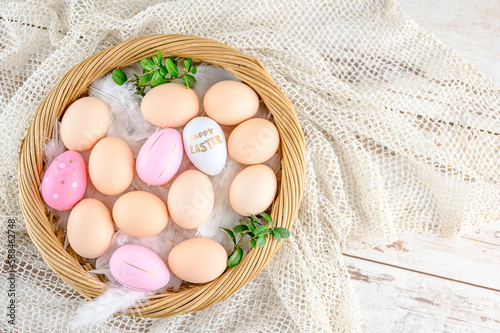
(402, 136)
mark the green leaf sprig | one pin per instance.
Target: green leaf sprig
(158, 70)
(256, 231)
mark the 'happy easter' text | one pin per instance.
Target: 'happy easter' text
(206, 144)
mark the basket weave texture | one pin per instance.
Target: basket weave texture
(40, 223)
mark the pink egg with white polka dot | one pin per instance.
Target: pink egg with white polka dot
(65, 180)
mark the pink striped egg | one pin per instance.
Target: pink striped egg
(138, 268)
(65, 180)
(160, 157)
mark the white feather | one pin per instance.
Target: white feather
(54, 147)
(100, 309)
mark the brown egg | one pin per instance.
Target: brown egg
(111, 166)
(253, 141)
(198, 260)
(90, 228)
(170, 105)
(140, 214)
(230, 102)
(253, 190)
(191, 199)
(84, 123)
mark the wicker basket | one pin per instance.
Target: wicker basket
(40, 223)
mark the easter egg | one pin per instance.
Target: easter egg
(198, 260)
(90, 228)
(111, 166)
(191, 199)
(205, 145)
(253, 190)
(230, 102)
(160, 157)
(64, 181)
(138, 268)
(253, 141)
(140, 214)
(170, 105)
(84, 123)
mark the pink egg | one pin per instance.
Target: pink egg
(65, 180)
(138, 268)
(160, 157)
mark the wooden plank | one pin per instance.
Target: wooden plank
(398, 300)
(469, 27)
(474, 259)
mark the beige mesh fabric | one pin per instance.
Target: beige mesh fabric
(402, 136)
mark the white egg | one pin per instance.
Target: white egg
(205, 145)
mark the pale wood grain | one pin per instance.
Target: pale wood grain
(474, 259)
(471, 27)
(426, 284)
(397, 300)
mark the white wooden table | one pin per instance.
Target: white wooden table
(425, 284)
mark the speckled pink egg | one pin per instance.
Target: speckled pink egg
(65, 180)
(160, 157)
(138, 268)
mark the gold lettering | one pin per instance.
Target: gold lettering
(203, 147)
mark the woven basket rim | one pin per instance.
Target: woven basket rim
(40, 223)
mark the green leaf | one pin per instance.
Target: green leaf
(147, 64)
(190, 81)
(144, 79)
(261, 230)
(231, 234)
(119, 76)
(251, 234)
(253, 243)
(254, 218)
(171, 67)
(284, 232)
(156, 60)
(157, 79)
(261, 241)
(163, 70)
(159, 56)
(188, 63)
(240, 228)
(194, 69)
(268, 218)
(276, 234)
(250, 226)
(235, 258)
